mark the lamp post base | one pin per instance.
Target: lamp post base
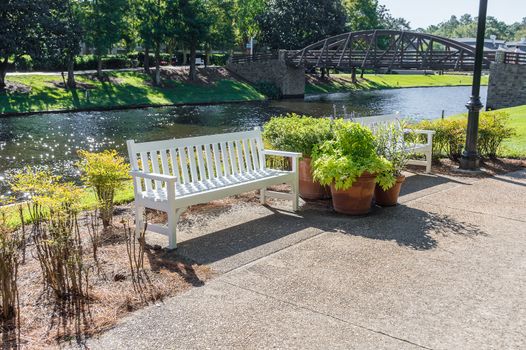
(470, 162)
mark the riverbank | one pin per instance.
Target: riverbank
(45, 93)
(343, 82)
(133, 89)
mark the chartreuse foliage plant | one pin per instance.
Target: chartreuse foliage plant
(297, 133)
(348, 156)
(105, 172)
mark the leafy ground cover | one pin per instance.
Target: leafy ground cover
(343, 82)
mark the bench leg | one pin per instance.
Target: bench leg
(429, 160)
(173, 218)
(263, 196)
(139, 220)
(295, 195)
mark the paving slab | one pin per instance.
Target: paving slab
(222, 316)
(446, 269)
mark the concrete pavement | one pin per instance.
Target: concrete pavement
(446, 269)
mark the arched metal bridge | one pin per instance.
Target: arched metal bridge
(387, 49)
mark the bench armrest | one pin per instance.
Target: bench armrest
(150, 176)
(418, 131)
(282, 153)
(293, 155)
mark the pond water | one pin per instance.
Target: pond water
(52, 139)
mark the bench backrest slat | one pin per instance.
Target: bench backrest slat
(198, 158)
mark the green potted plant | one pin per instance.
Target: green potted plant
(350, 165)
(391, 145)
(302, 134)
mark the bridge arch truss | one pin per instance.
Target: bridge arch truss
(386, 50)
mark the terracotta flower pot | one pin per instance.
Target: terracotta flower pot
(389, 198)
(357, 199)
(309, 188)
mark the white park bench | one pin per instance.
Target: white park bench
(425, 149)
(171, 175)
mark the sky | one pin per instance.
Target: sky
(422, 13)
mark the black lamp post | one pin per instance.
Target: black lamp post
(470, 157)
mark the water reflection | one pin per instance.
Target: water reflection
(52, 140)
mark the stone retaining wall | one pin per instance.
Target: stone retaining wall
(289, 80)
(507, 85)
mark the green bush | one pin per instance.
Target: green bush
(24, 64)
(450, 137)
(493, 130)
(391, 144)
(219, 59)
(350, 154)
(296, 133)
(105, 172)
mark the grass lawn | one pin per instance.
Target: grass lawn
(516, 146)
(342, 82)
(127, 89)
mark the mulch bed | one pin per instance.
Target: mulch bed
(205, 75)
(489, 167)
(79, 85)
(111, 295)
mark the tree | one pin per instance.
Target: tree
(245, 23)
(105, 21)
(23, 25)
(66, 35)
(293, 24)
(362, 14)
(157, 19)
(221, 34)
(193, 28)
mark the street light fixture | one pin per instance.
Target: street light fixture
(470, 158)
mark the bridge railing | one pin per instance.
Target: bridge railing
(254, 58)
(515, 58)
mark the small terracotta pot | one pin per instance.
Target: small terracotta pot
(357, 199)
(309, 188)
(389, 198)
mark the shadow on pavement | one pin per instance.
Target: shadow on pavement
(408, 227)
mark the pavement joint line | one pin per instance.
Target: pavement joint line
(252, 262)
(327, 315)
(473, 211)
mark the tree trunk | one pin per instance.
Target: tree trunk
(146, 62)
(99, 67)
(193, 72)
(185, 60)
(158, 64)
(353, 75)
(361, 74)
(71, 84)
(3, 73)
(207, 56)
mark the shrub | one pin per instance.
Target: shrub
(391, 144)
(297, 133)
(218, 59)
(105, 172)
(9, 263)
(493, 130)
(449, 138)
(24, 63)
(352, 152)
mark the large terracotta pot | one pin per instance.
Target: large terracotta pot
(357, 199)
(389, 198)
(309, 188)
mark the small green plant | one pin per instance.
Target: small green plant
(493, 130)
(297, 133)
(391, 144)
(352, 153)
(105, 172)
